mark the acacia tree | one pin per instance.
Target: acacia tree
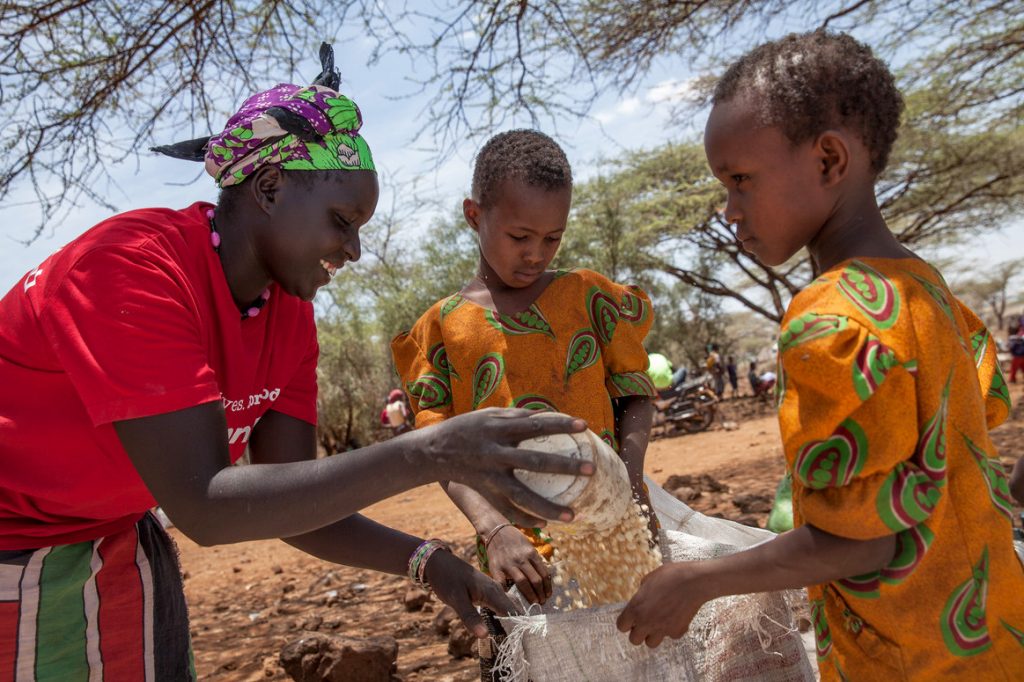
(84, 83)
(665, 209)
(352, 372)
(397, 279)
(990, 289)
(941, 185)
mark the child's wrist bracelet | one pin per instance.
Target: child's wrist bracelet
(494, 532)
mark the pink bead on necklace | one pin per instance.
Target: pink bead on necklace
(253, 309)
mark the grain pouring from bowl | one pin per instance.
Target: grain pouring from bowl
(608, 522)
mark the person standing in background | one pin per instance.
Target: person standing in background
(1017, 355)
(396, 413)
(730, 368)
(716, 369)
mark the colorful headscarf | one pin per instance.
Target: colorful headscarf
(290, 126)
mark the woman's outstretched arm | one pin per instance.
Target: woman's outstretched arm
(183, 458)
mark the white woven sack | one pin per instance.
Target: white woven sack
(732, 639)
(674, 515)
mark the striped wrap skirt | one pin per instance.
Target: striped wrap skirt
(110, 609)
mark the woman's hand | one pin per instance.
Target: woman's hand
(460, 586)
(511, 556)
(479, 450)
(668, 599)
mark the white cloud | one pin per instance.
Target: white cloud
(657, 100)
(626, 107)
(670, 91)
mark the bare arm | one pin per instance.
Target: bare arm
(353, 541)
(1017, 481)
(633, 416)
(361, 542)
(472, 504)
(798, 558)
(510, 555)
(670, 596)
(183, 458)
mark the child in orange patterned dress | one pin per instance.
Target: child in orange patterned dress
(521, 335)
(887, 388)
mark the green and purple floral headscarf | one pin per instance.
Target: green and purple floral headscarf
(290, 126)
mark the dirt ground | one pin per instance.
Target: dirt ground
(249, 600)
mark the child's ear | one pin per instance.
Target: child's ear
(471, 210)
(834, 157)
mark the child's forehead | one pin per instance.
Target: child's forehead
(734, 129)
(516, 190)
(738, 113)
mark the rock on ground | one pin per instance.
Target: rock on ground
(443, 621)
(415, 599)
(460, 642)
(336, 658)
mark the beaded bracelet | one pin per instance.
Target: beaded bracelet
(418, 560)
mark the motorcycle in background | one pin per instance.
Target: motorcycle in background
(687, 407)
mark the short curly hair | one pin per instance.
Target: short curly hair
(529, 156)
(806, 83)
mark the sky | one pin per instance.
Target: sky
(390, 124)
(618, 122)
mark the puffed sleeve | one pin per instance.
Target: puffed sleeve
(991, 380)
(848, 414)
(621, 316)
(422, 365)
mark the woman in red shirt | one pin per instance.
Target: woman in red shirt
(142, 359)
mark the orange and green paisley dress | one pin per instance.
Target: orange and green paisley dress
(887, 388)
(577, 347)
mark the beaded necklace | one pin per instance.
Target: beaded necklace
(253, 309)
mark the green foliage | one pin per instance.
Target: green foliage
(372, 301)
(428, 269)
(950, 177)
(657, 213)
(686, 320)
(482, 65)
(659, 210)
(628, 223)
(653, 216)
(353, 372)
(991, 291)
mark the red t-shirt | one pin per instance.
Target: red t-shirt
(133, 318)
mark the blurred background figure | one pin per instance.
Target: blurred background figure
(761, 384)
(395, 414)
(716, 369)
(659, 369)
(1017, 357)
(730, 369)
